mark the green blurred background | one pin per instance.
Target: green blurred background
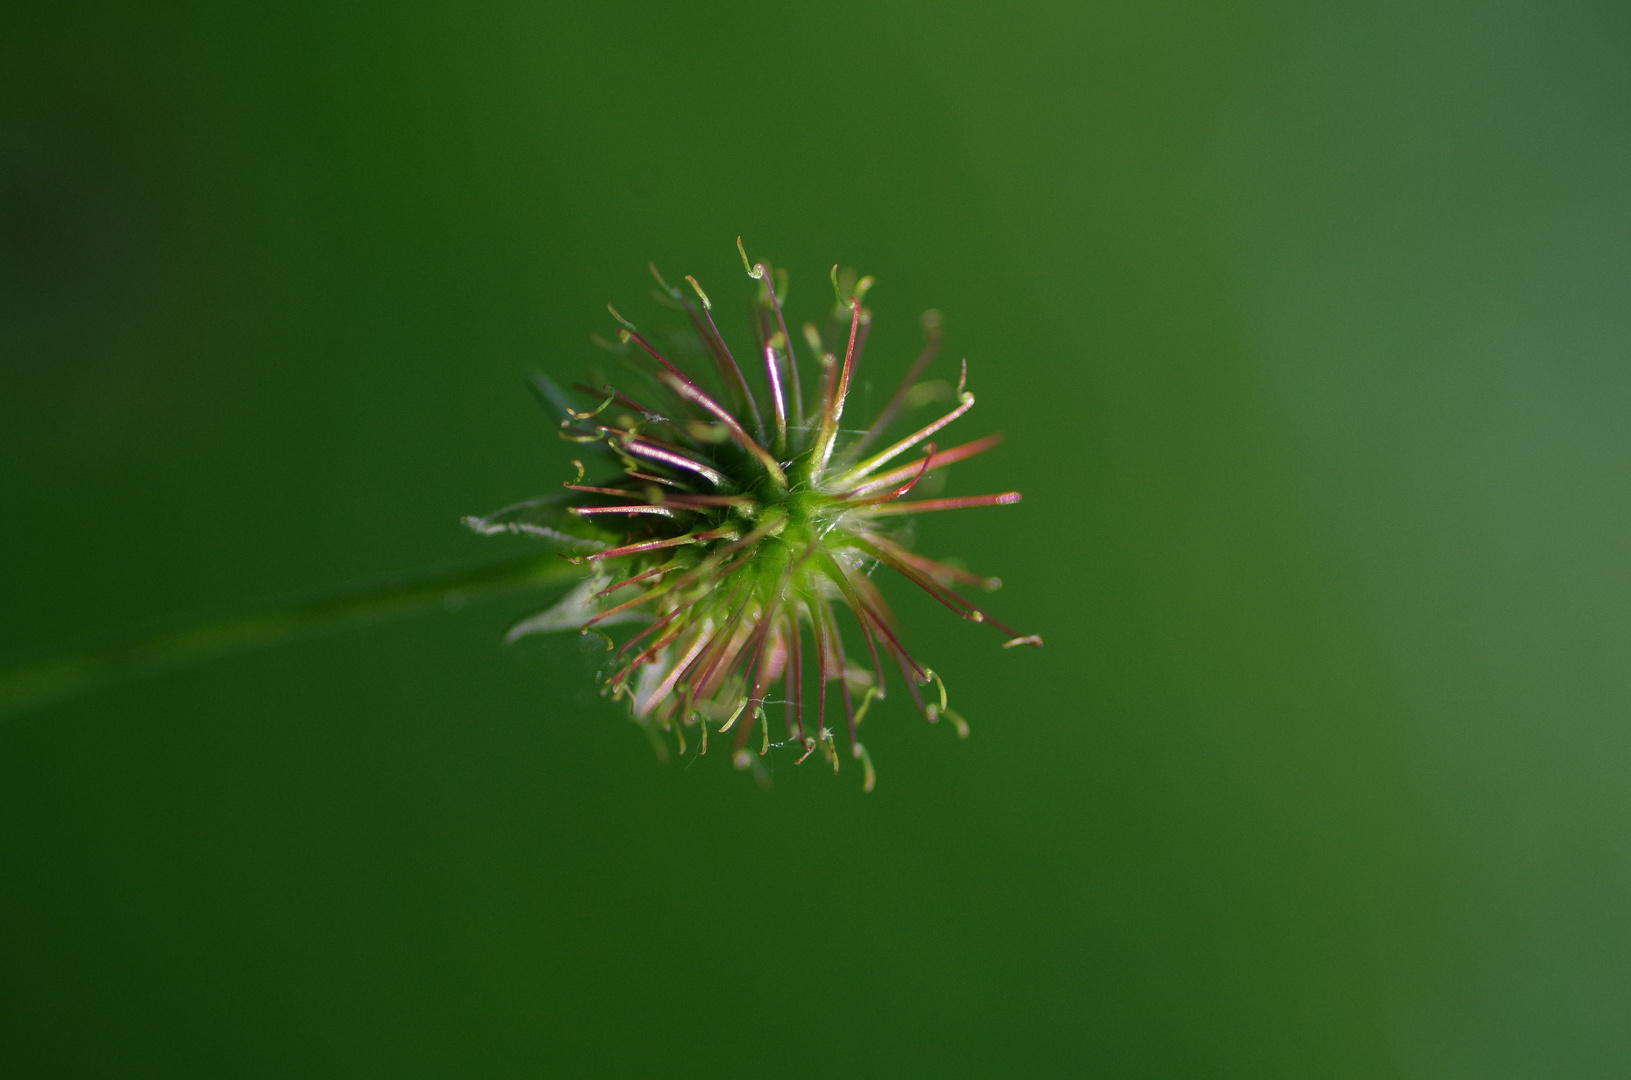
(1308, 328)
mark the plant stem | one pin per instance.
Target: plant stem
(46, 682)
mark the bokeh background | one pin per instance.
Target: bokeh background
(1308, 328)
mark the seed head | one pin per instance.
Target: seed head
(734, 520)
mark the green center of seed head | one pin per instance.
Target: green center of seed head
(794, 518)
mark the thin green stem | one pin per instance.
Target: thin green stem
(71, 674)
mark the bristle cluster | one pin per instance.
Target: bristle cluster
(740, 519)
